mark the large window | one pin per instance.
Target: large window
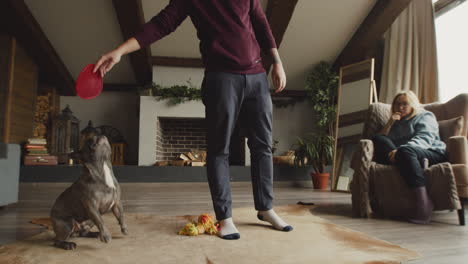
(452, 49)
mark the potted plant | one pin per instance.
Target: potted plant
(317, 147)
(321, 89)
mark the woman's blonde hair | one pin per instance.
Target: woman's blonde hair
(413, 101)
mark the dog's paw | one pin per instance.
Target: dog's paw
(65, 245)
(124, 230)
(105, 237)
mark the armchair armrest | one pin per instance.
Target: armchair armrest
(457, 149)
(364, 153)
(360, 163)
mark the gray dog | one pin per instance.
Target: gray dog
(96, 192)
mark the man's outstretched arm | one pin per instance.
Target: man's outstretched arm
(108, 60)
(158, 27)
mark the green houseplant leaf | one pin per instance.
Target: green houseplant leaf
(316, 148)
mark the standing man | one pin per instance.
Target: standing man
(231, 33)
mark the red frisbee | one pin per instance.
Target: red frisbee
(88, 84)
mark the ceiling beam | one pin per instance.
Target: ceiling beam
(18, 21)
(366, 37)
(131, 20)
(177, 62)
(443, 6)
(278, 13)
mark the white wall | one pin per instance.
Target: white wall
(288, 123)
(168, 76)
(291, 122)
(117, 109)
(121, 110)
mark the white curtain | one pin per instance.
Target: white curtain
(410, 59)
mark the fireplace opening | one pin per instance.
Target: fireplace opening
(176, 135)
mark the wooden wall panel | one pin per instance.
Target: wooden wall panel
(24, 97)
(19, 94)
(5, 58)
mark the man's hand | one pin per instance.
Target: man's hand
(391, 156)
(107, 61)
(277, 73)
(279, 77)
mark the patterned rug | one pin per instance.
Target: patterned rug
(154, 239)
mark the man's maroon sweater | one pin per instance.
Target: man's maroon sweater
(231, 32)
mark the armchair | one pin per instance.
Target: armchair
(379, 189)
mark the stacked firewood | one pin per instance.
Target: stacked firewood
(194, 158)
(286, 159)
(41, 115)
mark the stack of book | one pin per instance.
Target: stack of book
(36, 153)
(36, 147)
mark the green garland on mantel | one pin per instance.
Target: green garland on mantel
(177, 94)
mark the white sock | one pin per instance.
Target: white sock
(228, 229)
(271, 217)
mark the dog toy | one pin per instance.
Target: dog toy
(205, 224)
(189, 229)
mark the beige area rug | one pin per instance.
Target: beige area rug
(153, 239)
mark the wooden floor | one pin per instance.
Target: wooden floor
(443, 241)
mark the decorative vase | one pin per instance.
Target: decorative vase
(320, 180)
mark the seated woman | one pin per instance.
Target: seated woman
(410, 137)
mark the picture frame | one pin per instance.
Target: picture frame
(344, 172)
(342, 184)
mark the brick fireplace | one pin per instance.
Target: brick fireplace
(179, 135)
(167, 131)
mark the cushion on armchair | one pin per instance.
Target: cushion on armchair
(450, 128)
(377, 116)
